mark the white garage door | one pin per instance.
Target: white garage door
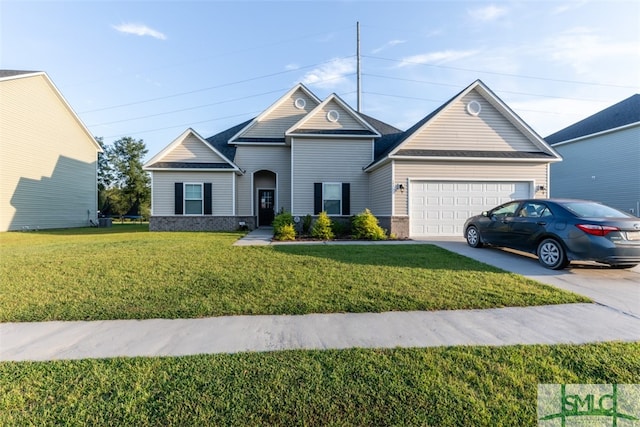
(440, 208)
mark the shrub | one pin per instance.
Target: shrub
(306, 224)
(283, 226)
(322, 227)
(365, 226)
(287, 232)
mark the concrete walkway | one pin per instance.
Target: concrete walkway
(569, 323)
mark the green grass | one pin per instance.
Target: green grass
(126, 272)
(453, 386)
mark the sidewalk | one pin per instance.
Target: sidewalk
(571, 323)
(554, 324)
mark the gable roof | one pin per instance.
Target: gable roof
(8, 75)
(157, 162)
(391, 145)
(12, 73)
(246, 134)
(358, 127)
(623, 113)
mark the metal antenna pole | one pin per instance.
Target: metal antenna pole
(358, 78)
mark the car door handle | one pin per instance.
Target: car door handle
(541, 223)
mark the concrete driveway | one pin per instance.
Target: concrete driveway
(615, 288)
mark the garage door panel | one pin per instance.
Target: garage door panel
(440, 208)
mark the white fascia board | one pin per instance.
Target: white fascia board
(177, 142)
(476, 159)
(272, 107)
(507, 112)
(596, 134)
(342, 104)
(62, 98)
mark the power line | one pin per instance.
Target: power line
(189, 108)
(502, 91)
(213, 87)
(505, 74)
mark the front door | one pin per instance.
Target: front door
(266, 203)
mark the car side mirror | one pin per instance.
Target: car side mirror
(485, 213)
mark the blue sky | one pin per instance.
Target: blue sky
(151, 69)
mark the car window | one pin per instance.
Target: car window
(507, 210)
(594, 210)
(534, 210)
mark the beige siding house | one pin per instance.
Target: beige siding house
(48, 158)
(304, 156)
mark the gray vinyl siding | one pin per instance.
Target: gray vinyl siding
(381, 190)
(251, 159)
(323, 160)
(319, 119)
(162, 198)
(605, 168)
(455, 129)
(47, 159)
(284, 115)
(192, 150)
(465, 171)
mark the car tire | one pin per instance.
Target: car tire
(552, 255)
(473, 237)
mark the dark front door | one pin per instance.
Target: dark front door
(265, 207)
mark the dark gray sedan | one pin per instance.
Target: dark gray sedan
(559, 231)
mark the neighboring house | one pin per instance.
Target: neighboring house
(48, 158)
(601, 157)
(305, 155)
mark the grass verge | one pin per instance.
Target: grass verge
(126, 272)
(452, 386)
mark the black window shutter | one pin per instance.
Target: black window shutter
(317, 198)
(346, 198)
(178, 196)
(208, 198)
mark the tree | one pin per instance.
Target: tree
(123, 186)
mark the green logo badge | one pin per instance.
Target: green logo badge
(588, 405)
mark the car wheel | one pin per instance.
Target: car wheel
(551, 254)
(473, 237)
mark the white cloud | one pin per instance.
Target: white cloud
(585, 51)
(488, 13)
(139, 30)
(387, 45)
(291, 66)
(436, 57)
(330, 74)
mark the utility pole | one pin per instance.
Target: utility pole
(358, 77)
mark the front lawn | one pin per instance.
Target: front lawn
(126, 272)
(452, 386)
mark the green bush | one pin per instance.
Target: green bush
(322, 227)
(283, 227)
(287, 232)
(365, 226)
(306, 224)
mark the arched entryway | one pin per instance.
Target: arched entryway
(264, 183)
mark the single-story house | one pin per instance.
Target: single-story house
(305, 155)
(48, 158)
(601, 157)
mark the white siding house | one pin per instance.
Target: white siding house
(601, 157)
(48, 158)
(306, 156)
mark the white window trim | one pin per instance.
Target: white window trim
(184, 198)
(339, 184)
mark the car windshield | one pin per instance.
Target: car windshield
(593, 210)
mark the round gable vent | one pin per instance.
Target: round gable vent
(333, 116)
(300, 103)
(474, 108)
